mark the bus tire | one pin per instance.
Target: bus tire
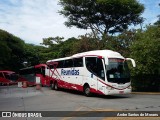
(55, 86)
(87, 91)
(52, 86)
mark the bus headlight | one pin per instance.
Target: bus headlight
(130, 87)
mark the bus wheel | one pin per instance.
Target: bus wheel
(52, 86)
(55, 85)
(87, 91)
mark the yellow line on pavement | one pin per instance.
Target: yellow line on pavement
(72, 113)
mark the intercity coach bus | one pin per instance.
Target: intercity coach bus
(101, 71)
(29, 75)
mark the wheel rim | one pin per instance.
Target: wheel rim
(52, 86)
(56, 87)
(87, 91)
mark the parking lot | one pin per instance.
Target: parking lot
(13, 98)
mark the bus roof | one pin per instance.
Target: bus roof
(106, 53)
(7, 71)
(32, 67)
(40, 65)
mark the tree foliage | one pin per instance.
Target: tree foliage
(11, 51)
(59, 48)
(102, 16)
(14, 52)
(50, 41)
(34, 54)
(146, 51)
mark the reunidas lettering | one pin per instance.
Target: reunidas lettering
(69, 72)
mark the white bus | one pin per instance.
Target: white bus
(101, 71)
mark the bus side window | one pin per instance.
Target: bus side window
(38, 70)
(78, 62)
(60, 64)
(43, 71)
(95, 66)
(91, 64)
(1, 74)
(68, 63)
(100, 69)
(50, 67)
(7, 76)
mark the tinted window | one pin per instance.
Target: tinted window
(52, 65)
(95, 66)
(14, 77)
(68, 63)
(7, 76)
(60, 64)
(91, 64)
(26, 71)
(1, 75)
(38, 70)
(78, 62)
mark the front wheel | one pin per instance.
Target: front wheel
(87, 91)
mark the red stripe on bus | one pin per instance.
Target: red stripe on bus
(63, 84)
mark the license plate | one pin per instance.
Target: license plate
(121, 92)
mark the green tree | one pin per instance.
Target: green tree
(86, 43)
(57, 47)
(50, 41)
(67, 47)
(102, 16)
(122, 42)
(31, 54)
(146, 52)
(11, 50)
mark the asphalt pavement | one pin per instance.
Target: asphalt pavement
(67, 104)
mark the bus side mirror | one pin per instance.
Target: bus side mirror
(133, 62)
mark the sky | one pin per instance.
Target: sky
(33, 20)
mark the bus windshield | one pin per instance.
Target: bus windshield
(14, 77)
(117, 71)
